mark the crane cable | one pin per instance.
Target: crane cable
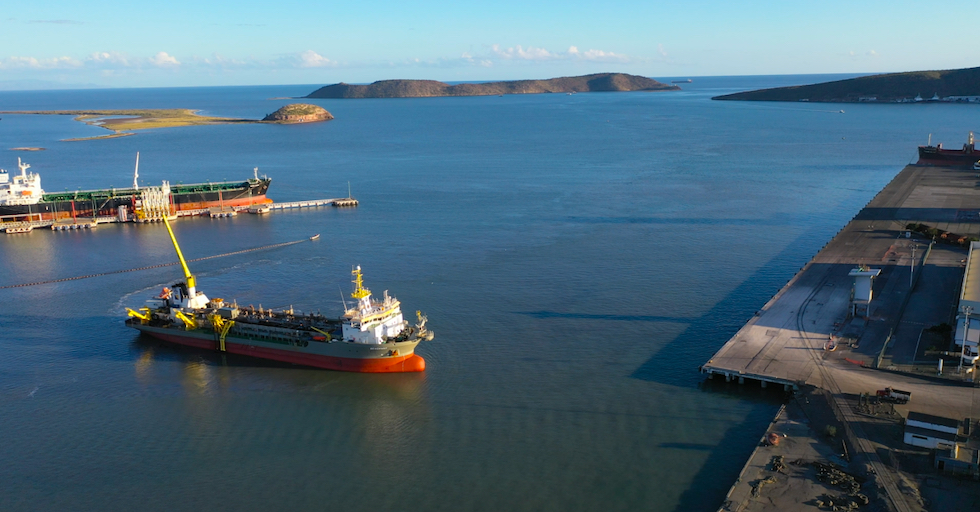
(243, 251)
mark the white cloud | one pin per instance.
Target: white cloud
(599, 55)
(163, 60)
(531, 53)
(108, 59)
(312, 59)
(661, 51)
(517, 52)
(35, 63)
(870, 54)
(220, 61)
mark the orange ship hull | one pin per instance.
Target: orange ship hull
(390, 364)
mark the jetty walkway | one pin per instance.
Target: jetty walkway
(14, 227)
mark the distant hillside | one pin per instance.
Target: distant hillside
(601, 82)
(948, 85)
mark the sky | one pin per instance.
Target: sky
(85, 43)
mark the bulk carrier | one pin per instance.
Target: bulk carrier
(23, 199)
(372, 336)
(937, 155)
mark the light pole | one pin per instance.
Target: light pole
(966, 332)
(911, 268)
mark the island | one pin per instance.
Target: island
(124, 122)
(298, 113)
(953, 86)
(600, 82)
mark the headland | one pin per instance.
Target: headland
(951, 85)
(600, 82)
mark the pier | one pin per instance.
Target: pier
(815, 319)
(840, 326)
(23, 227)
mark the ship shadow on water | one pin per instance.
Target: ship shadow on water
(202, 372)
(163, 351)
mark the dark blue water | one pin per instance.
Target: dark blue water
(578, 258)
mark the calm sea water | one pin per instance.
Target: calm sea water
(578, 258)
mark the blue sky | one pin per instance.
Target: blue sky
(191, 43)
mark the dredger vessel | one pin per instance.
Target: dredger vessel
(372, 336)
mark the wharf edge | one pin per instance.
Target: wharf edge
(807, 335)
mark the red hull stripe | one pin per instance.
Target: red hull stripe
(398, 364)
(246, 201)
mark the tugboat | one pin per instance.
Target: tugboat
(371, 337)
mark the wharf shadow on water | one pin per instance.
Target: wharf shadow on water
(710, 331)
(588, 316)
(717, 472)
(680, 221)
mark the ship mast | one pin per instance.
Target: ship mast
(136, 173)
(362, 294)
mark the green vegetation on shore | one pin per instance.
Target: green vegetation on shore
(601, 82)
(142, 119)
(954, 85)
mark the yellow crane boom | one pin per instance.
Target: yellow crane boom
(183, 263)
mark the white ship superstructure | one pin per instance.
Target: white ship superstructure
(372, 321)
(21, 189)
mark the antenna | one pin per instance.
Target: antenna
(342, 299)
(136, 173)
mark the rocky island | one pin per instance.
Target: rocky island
(600, 82)
(298, 113)
(953, 85)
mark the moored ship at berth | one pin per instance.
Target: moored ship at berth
(937, 155)
(23, 199)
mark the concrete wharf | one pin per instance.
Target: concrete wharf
(808, 334)
(786, 342)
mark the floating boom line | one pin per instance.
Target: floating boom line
(161, 265)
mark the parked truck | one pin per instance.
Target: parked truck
(894, 395)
